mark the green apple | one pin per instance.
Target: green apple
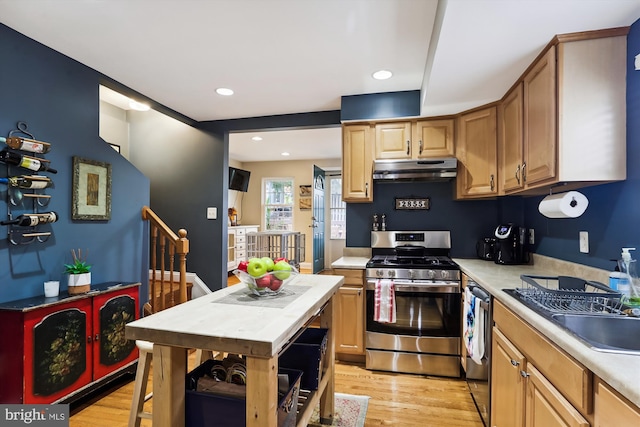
(256, 267)
(282, 270)
(268, 262)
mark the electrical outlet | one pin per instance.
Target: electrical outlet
(584, 242)
(212, 213)
(532, 236)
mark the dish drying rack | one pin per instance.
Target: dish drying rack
(570, 295)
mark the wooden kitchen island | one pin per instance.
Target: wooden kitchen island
(232, 320)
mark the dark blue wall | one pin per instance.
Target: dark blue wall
(184, 166)
(613, 216)
(59, 99)
(468, 220)
(380, 105)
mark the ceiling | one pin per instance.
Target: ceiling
(293, 56)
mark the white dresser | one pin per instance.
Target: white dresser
(237, 250)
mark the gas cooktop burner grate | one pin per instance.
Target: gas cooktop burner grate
(409, 262)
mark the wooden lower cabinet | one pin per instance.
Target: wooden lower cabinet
(545, 406)
(521, 395)
(349, 306)
(507, 383)
(613, 410)
(50, 350)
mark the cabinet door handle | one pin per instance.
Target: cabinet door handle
(89, 339)
(518, 174)
(421, 147)
(492, 182)
(524, 172)
(96, 338)
(359, 292)
(408, 147)
(366, 189)
(514, 362)
(524, 374)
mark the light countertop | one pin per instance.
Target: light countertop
(351, 262)
(620, 371)
(233, 320)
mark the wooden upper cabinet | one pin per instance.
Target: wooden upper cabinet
(510, 141)
(432, 138)
(574, 114)
(393, 140)
(357, 163)
(476, 148)
(418, 139)
(540, 112)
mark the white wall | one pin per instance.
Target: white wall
(114, 127)
(302, 173)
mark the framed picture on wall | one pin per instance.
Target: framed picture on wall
(305, 190)
(91, 190)
(304, 203)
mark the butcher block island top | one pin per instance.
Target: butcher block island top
(233, 320)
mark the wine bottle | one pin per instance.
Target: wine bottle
(26, 162)
(32, 219)
(35, 182)
(26, 144)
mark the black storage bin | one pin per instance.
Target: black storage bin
(306, 354)
(203, 409)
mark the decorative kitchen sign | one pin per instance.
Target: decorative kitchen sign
(413, 203)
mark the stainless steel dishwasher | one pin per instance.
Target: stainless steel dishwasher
(479, 375)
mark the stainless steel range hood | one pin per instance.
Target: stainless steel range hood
(437, 169)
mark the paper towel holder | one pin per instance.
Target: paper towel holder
(573, 203)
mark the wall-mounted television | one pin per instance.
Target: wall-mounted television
(238, 179)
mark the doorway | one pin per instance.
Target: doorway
(317, 219)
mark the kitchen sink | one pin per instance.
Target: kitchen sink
(607, 333)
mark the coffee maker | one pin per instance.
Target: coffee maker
(510, 244)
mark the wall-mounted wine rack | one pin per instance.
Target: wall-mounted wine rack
(26, 187)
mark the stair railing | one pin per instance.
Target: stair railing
(178, 247)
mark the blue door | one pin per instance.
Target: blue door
(317, 219)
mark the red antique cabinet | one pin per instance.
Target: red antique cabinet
(54, 348)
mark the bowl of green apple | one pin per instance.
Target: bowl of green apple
(265, 276)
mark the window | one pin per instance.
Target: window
(337, 209)
(277, 197)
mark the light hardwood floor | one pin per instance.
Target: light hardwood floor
(395, 400)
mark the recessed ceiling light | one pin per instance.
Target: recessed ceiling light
(284, 153)
(224, 91)
(256, 138)
(138, 106)
(382, 75)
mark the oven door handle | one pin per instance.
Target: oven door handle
(400, 286)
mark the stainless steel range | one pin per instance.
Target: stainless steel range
(425, 338)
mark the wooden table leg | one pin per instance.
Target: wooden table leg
(327, 399)
(262, 392)
(169, 371)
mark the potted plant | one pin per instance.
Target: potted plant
(79, 274)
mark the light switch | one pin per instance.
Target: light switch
(212, 213)
(584, 242)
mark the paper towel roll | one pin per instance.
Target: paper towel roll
(571, 204)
